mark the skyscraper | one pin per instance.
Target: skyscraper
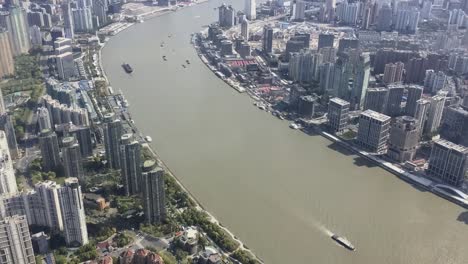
(69, 27)
(130, 152)
(394, 100)
(250, 9)
(7, 172)
(404, 139)
(338, 114)
(71, 156)
(7, 66)
(373, 131)
(245, 29)
(361, 80)
(376, 99)
(448, 162)
(48, 144)
(153, 192)
(299, 10)
(414, 94)
(112, 134)
(267, 43)
(100, 8)
(435, 111)
(73, 214)
(15, 241)
(18, 29)
(329, 14)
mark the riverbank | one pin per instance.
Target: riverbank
(449, 193)
(242, 247)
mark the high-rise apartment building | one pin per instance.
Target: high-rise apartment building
(43, 118)
(7, 66)
(338, 114)
(68, 23)
(421, 113)
(153, 192)
(361, 81)
(455, 125)
(83, 135)
(407, 21)
(7, 172)
(414, 94)
(435, 111)
(435, 81)
(448, 162)
(404, 139)
(18, 29)
(384, 20)
(227, 16)
(393, 72)
(71, 155)
(64, 59)
(304, 66)
(373, 131)
(48, 144)
(112, 135)
(82, 16)
(73, 214)
(394, 100)
(376, 99)
(130, 152)
(15, 241)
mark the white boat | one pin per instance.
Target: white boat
(148, 139)
(294, 126)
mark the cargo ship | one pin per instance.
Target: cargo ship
(127, 68)
(343, 242)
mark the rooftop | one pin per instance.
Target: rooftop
(375, 115)
(450, 145)
(339, 101)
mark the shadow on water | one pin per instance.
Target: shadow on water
(463, 217)
(337, 147)
(360, 161)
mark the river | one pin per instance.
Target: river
(279, 190)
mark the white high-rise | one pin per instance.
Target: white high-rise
(15, 241)
(7, 172)
(250, 9)
(245, 29)
(73, 215)
(436, 109)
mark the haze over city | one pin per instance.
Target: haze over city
(152, 132)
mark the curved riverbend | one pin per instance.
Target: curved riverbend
(277, 189)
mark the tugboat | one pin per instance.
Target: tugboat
(183, 65)
(187, 61)
(164, 58)
(343, 242)
(127, 68)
